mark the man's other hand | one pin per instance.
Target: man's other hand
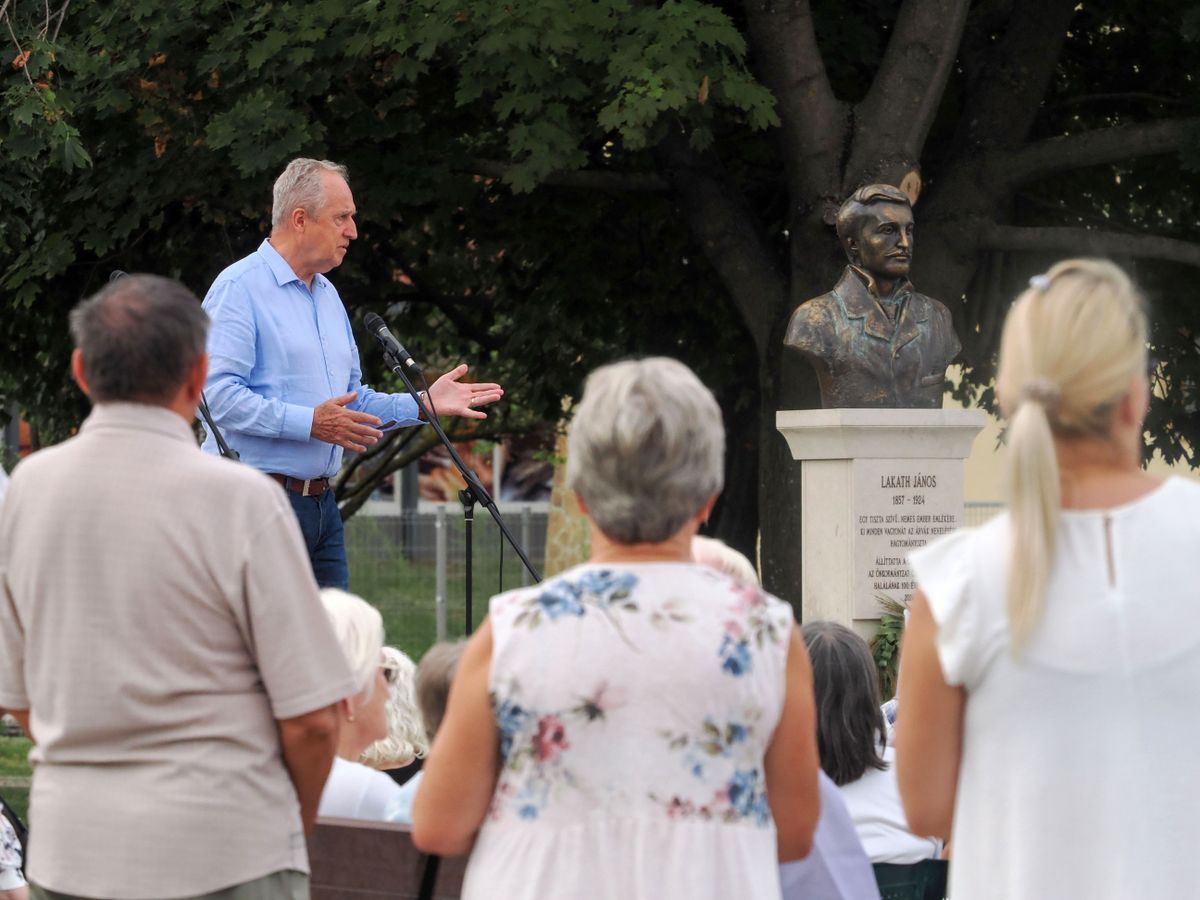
(334, 424)
(452, 397)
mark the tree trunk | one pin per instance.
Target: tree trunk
(735, 517)
(787, 383)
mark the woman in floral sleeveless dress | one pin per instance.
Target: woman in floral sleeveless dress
(640, 726)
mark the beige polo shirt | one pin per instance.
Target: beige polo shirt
(157, 615)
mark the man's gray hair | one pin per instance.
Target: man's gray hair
(646, 449)
(139, 337)
(300, 187)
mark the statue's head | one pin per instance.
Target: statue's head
(875, 226)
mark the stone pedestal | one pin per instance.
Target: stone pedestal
(876, 484)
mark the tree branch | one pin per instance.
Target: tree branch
(813, 121)
(594, 179)
(1090, 148)
(375, 457)
(1009, 83)
(463, 324)
(1087, 241)
(62, 16)
(729, 233)
(900, 107)
(1116, 97)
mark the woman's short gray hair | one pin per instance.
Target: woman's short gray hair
(300, 187)
(646, 448)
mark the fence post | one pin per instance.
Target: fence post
(439, 531)
(525, 527)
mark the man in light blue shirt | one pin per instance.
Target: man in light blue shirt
(284, 380)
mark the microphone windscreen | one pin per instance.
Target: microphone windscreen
(373, 322)
(115, 274)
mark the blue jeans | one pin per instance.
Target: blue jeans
(321, 525)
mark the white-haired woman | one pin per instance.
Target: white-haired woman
(1050, 676)
(406, 740)
(353, 790)
(639, 726)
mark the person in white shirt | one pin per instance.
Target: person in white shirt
(405, 741)
(1072, 609)
(355, 791)
(851, 739)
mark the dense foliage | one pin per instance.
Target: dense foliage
(545, 185)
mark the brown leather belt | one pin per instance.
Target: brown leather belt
(306, 487)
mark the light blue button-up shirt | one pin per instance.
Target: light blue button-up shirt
(277, 350)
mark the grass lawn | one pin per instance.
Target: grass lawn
(404, 589)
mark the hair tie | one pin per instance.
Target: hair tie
(1041, 391)
(1040, 282)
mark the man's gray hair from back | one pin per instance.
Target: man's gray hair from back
(300, 187)
(139, 336)
(646, 449)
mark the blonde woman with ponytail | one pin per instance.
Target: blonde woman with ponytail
(1050, 679)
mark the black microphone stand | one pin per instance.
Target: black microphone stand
(473, 493)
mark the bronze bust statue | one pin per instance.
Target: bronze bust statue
(873, 340)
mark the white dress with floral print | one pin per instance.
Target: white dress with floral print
(10, 858)
(635, 704)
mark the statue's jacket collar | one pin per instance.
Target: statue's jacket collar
(858, 297)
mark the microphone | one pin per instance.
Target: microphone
(388, 341)
(116, 274)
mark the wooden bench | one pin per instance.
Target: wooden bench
(355, 860)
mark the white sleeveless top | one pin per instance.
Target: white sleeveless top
(1079, 773)
(634, 706)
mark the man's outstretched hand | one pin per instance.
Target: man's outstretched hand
(452, 397)
(334, 424)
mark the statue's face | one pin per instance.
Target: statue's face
(884, 242)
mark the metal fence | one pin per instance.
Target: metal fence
(412, 567)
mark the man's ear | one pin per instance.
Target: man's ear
(299, 218)
(77, 371)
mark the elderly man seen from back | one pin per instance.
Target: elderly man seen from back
(284, 384)
(161, 636)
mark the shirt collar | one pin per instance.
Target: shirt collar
(902, 289)
(282, 271)
(277, 264)
(139, 417)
